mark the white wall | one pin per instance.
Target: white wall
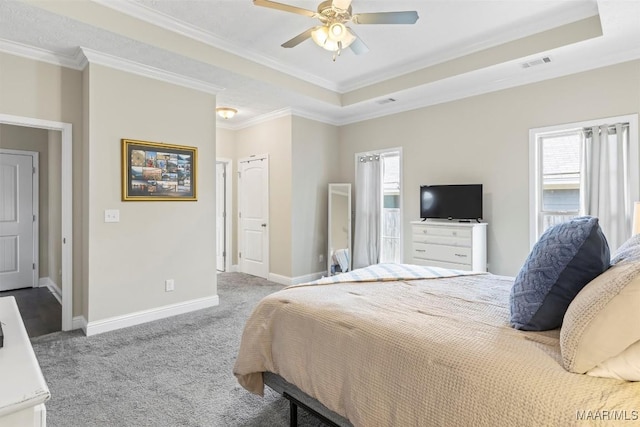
(484, 139)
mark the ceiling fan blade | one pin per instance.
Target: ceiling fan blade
(408, 17)
(341, 4)
(298, 39)
(357, 46)
(284, 7)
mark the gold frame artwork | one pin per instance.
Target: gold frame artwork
(153, 171)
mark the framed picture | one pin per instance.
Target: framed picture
(156, 171)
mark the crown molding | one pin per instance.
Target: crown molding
(169, 23)
(284, 112)
(565, 17)
(41, 55)
(104, 59)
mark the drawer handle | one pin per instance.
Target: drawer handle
(421, 250)
(460, 255)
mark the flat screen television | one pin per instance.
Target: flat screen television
(462, 202)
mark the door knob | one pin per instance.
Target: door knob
(264, 225)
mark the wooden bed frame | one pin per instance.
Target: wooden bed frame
(298, 398)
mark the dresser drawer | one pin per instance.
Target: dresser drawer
(441, 231)
(433, 263)
(453, 254)
(442, 240)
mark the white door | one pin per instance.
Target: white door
(17, 255)
(220, 215)
(253, 216)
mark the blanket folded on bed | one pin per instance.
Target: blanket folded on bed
(386, 272)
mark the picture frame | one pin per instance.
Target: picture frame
(154, 171)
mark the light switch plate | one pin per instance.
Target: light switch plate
(112, 215)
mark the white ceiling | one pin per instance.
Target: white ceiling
(457, 48)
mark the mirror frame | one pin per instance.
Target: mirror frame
(344, 189)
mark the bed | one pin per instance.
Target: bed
(405, 345)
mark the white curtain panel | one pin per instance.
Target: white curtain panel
(605, 180)
(366, 245)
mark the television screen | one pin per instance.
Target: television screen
(451, 201)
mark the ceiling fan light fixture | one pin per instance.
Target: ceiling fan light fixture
(337, 32)
(323, 37)
(320, 35)
(226, 112)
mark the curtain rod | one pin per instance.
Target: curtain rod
(609, 127)
(369, 158)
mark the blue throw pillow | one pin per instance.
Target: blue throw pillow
(562, 262)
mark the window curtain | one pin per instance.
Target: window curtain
(366, 245)
(605, 180)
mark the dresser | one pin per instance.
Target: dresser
(448, 244)
(23, 390)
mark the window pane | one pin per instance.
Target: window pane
(561, 172)
(550, 220)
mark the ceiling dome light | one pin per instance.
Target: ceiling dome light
(226, 112)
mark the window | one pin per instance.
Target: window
(391, 218)
(560, 153)
(378, 208)
(587, 168)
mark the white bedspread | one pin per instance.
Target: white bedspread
(436, 352)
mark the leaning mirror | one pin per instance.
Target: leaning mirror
(339, 229)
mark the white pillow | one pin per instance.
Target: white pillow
(625, 366)
(602, 321)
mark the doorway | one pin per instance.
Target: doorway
(19, 219)
(253, 215)
(66, 198)
(223, 218)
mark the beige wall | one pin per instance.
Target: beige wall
(273, 137)
(129, 261)
(37, 140)
(484, 139)
(314, 166)
(39, 90)
(300, 148)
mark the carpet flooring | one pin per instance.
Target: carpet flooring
(171, 372)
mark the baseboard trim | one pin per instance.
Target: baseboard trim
(286, 280)
(79, 322)
(119, 322)
(234, 268)
(46, 282)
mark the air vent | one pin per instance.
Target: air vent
(544, 60)
(385, 101)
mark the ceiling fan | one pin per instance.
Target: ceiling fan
(333, 34)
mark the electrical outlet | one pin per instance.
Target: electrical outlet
(169, 285)
(320, 258)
